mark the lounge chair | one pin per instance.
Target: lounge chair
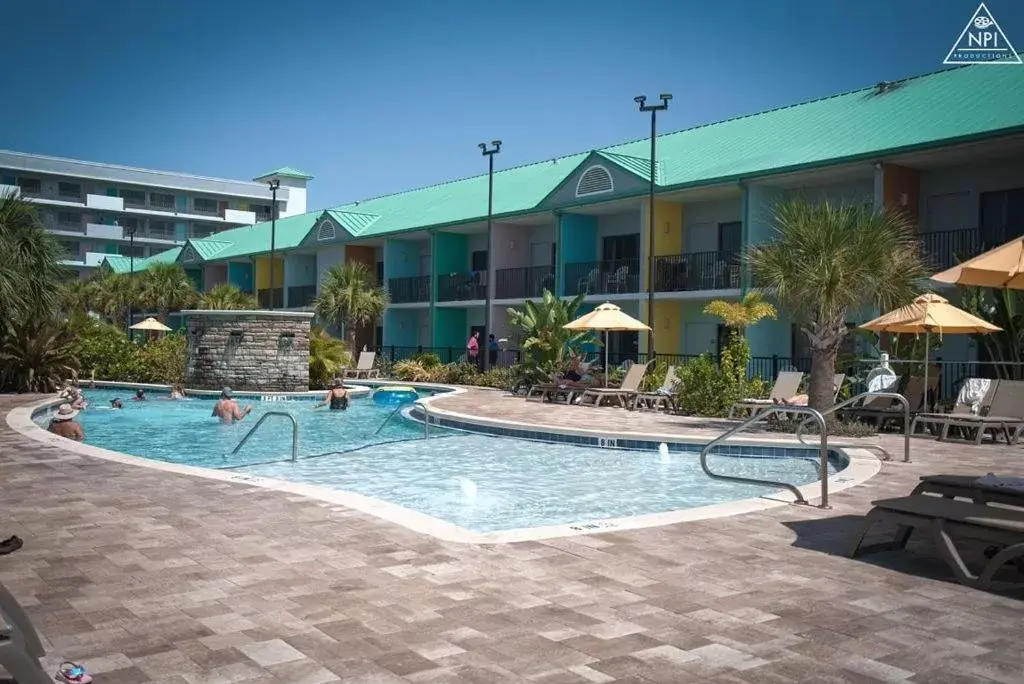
(1005, 415)
(21, 649)
(965, 406)
(786, 385)
(364, 367)
(883, 409)
(663, 397)
(623, 394)
(979, 489)
(947, 519)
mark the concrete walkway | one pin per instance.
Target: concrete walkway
(148, 576)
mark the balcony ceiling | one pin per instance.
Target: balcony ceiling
(970, 153)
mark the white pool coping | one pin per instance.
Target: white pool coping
(863, 465)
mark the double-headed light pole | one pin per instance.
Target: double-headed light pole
(641, 100)
(489, 152)
(274, 185)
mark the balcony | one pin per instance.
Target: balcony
(237, 216)
(301, 295)
(946, 248)
(461, 287)
(697, 271)
(523, 282)
(263, 298)
(409, 289)
(104, 232)
(602, 277)
(104, 202)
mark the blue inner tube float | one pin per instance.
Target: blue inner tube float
(395, 394)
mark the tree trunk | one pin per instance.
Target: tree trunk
(821, 390)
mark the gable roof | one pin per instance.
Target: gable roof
(285, 172)
(122, 264)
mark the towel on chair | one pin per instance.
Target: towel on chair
(993, 480)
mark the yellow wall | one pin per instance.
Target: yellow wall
(668, 228)
(668, 326)
(263, 273)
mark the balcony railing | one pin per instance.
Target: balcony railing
(206, 209)
(301, 295)
(697, 271)
(602, 277)
(946, 248)
(409, 289)
(461, 287)
(263, 298)
(157, 205)
(527, 281)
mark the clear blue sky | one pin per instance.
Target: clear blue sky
(379, 97)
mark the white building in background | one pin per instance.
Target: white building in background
(94, 208)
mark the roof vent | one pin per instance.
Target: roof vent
(596, 180)
(189, 255)
(325, 231)
(883, 87)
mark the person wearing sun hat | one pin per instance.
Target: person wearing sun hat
(64, 424)
(227, 409)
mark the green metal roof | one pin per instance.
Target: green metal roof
(207, 248)
(255, 239)
(122, 264)
(286, 172)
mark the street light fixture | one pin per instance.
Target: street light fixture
(489, 153)
(131, 270)
(274, 185)
(641, 101)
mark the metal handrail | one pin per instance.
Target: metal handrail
(823, 452)
(426, 418)
(295, 432)
(390, 416)
(891, 395)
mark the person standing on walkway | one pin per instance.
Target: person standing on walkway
(473, 349)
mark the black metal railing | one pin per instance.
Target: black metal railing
(946, 248)
(602, 277)
(263, 298)
(526, 281)
(502, 358)
(697, 271)
(461, 287)
(408, 289)
(301, 295)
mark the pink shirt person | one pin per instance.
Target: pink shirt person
(473, 346)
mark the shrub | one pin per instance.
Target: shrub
(161, 360)
(327, 356)
(104, 351)
(709, 389)
(836, 428)
(655, 376)
(36, 356)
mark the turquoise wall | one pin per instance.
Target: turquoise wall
(451, 328)
(196, 276)
(401, 259)
(180, 232)
(401, 327)
(240, 275)
(577, 243)
(299, 269)
(451, 253)
(767, 338)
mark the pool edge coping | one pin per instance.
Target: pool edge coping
(862, 466)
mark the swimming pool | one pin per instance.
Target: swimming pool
(478, 482)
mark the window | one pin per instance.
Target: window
(621, 247)
(478, 260)
(30, 186)
(202, 230)
(161, 200)
(161, 230)
(138, 251)
(70, 190)
(130, 224)
(205, 206)
(730, 236)
(596, 180)
(71, 219)
(380, 272)
(135, 198)
(71, 248)
(1002, 216)
(262, 211)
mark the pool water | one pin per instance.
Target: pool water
(479, 482)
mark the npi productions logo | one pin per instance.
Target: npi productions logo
(982, 42)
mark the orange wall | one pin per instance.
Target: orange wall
(363, 254)
(898, 181)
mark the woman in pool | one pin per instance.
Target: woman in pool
(336, 398)
(178, 392)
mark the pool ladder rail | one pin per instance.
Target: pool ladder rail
(268, 414)
(813, 416)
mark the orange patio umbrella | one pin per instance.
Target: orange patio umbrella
(928, 313)
(1002, 267)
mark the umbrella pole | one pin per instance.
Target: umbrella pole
(927, 344)
(606, 359)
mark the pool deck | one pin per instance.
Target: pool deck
(149, 576)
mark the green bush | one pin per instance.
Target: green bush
(709, 389)
(162, 360)
(104, 351)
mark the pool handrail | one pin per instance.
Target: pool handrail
(761, 415)
(426, 417)
(392, 415)
(295, 432)
(865, 395)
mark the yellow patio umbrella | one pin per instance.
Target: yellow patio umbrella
(151, 324)
(1002, 267)
(607, 318)
(928, 313)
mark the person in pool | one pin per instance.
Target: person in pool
(63, 423)
(227, 408)
(177, 392)
(140, 395)
(336, 398)
(115, 403)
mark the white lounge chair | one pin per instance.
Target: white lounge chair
(364, 367)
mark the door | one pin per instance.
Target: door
(621, 247)
(730, 236)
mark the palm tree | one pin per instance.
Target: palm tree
(742, 314)
(113, 295)
(545, 341)
(77, 297)
(350, 298)
(37, 355)
(327, 356)
(826, 260)
(30, 269)
(166, 287)
(226, 297)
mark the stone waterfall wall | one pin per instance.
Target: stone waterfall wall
(248, 350)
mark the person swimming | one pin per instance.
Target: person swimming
(115, 403)
(336, 397)
(227, 408)
(178, 392)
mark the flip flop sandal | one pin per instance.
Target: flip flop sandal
(72, 673)
(10, 545)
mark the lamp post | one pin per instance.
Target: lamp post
(641, 100)
(131, 270)
(274, 185)
(489, 153)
